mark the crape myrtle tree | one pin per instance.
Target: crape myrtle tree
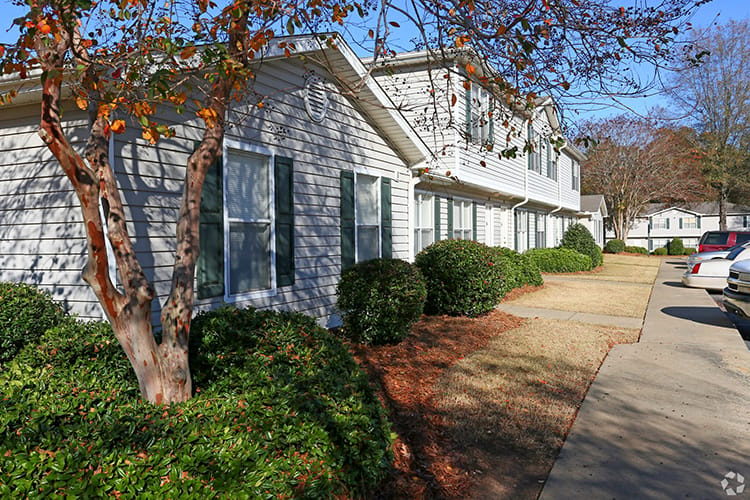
(126, 58)
(632, 161)
(715, 98)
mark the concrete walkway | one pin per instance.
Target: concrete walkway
(668, 417)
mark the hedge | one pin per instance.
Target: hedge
(559, 260)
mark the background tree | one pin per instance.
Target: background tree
(121, 59)
(715, 98)
(632, 161)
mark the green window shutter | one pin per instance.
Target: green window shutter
(210, 272)
(386, 218)
(347, 220)
(699, 222)
(284, 220)
(450, 219)
(437, 218)
(667, 223)
(680, 222)
(468, 113)
(649, 223)
(474, 221)
(530, 154)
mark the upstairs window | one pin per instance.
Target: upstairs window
(660, 223)
(479, 110)
(535, 155)
(576, 176)
(689, 222)
(551, 157)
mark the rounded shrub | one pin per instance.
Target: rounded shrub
(634, 249)
(578, 238)
(660, 251)
(380, 300)
(559, 260)
(281, 410)
(25, 314)
(519, 269)
(676, 247)
(463, 277)
(614, 246)
(689, 251)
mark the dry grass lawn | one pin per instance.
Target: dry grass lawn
(622, 287)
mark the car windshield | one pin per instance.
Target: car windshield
(734, 253)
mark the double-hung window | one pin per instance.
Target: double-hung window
(366, 225)
(541, 231)
(424, 221)
(246, 225)
(479, 111)
(660, 223)
(576, 176)
(551, 160)
(689, 222)
(535, 155)
(463, 211)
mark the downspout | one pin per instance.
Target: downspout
(519, 204)
(559, 188)
(413, 181)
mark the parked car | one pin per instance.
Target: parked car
(737, 296)
(722, 240)
(712, 274)
(693, 259)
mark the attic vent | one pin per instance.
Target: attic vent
(316, 98)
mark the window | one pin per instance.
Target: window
(541, 231)
(660, 223)
(745, 221)
(366, 225)
(463, 228)
(535, 155)
(576, 176)
(479, 109)
(689, 222)
(551, 160)
(522, 230)
(424, 222)
(246, 225)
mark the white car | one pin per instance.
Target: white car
(693, 259)
(737, 297)
(712, 274)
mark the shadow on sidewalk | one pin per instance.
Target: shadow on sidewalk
(704, 315)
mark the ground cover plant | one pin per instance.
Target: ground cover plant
(281, 411)
(380, 300)
(559, 260)
(635, 249)
(518, 270)
(614, 246)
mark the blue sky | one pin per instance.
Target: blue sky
(720, 11)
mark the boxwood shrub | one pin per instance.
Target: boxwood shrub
(281, 411)
(559, 260)
(518, 269)
(380, 300)
(463, 277)
(660, 251)
(633, 249)
(578, 238)
(676, 247)
(25, 314)
(614, 246)
(689, 251)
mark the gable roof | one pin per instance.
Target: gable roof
(695, 208)
(594, 203)
(339, 60)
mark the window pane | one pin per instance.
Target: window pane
(247, 186)
(249, 257)
(368, 243)
(427, 237)
(367, 200)
(427, 212)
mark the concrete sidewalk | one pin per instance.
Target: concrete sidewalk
(668, 417)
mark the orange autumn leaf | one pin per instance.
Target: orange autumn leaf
(118, 126)
(209, 116)
(82, 103)
(467, 85)
(188, 52)
(150, 136)
(470, 69)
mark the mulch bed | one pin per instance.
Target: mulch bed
(428, 464)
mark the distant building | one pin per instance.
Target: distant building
(593, 213)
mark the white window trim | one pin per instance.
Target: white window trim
(480, 105)
(369, 173)
(230, 144)
(420, 195)
(455, 222)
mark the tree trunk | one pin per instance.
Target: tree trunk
(723, 199)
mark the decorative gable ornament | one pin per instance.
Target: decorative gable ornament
(316, 97)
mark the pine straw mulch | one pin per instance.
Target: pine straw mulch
(440, 452)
